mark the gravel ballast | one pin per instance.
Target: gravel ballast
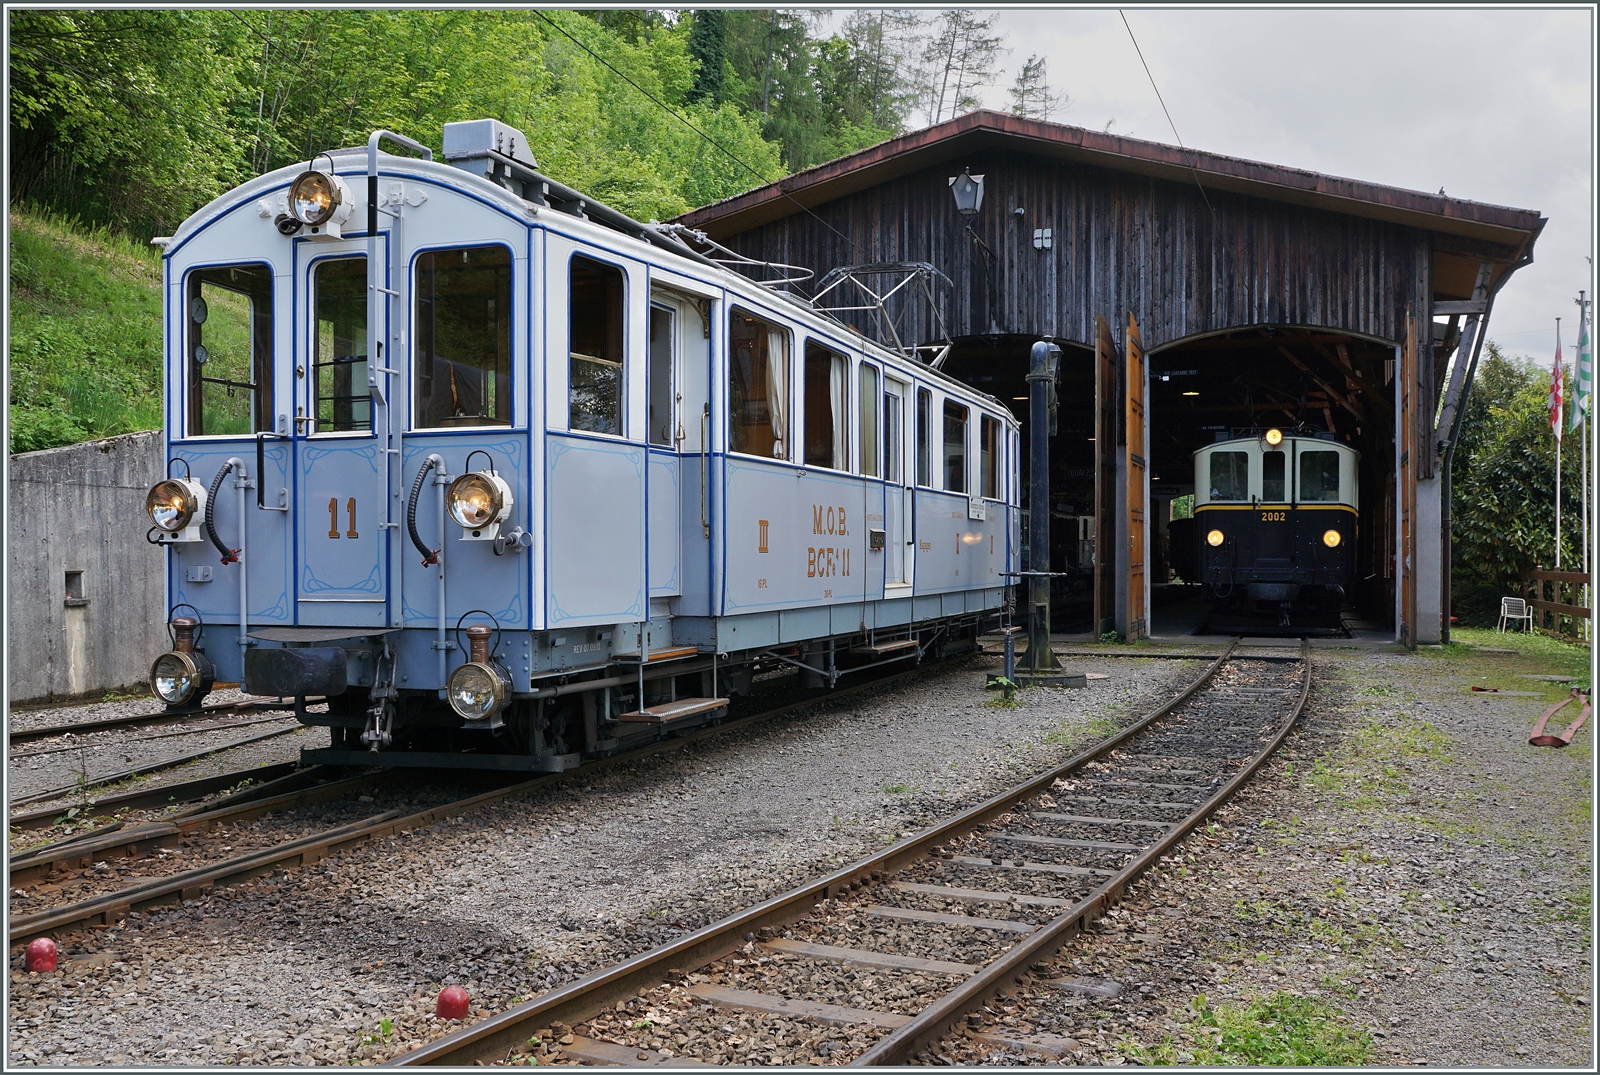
(1407, 864)
(521, 896)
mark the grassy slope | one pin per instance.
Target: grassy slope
(85, 316)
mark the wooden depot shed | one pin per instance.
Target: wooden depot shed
(1193, 295)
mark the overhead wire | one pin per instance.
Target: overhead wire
(693, 127)
(1163, 103)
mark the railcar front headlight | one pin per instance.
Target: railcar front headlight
(476, 690)
(170, 505)
(1331, 538)
(1214, 538)
(320, 201)
(479, 502)
(173, 504)
(178, 678)
(313, 198)
(1274, 437)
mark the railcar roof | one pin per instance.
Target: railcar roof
(270, 182)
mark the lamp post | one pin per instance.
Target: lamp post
(967, 189)
(1043, 362)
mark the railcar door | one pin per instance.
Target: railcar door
(341, 506)
(666, 434)
(898, 548)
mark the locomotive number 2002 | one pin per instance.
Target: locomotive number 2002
(1273, 516)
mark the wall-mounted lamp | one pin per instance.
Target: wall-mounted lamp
(968, 191)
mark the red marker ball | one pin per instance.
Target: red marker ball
(452, 1004)
(41, 956)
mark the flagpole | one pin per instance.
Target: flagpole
(1582, 376)
(1555, 423)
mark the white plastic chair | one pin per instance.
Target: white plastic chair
(1515, 608)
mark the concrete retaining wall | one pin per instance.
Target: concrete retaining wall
(80, 509)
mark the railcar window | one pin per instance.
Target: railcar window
(758, 386)
(955, 447)
(1230, 476)
(1272, 483)
(924, 437)
(1319, 476)
(826, 387)
(463, 358)
(869, 420)
(989, 457)
(595, 335)
(893, 439)
(230, 350)
(663, 333)
(343, 400)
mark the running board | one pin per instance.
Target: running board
(884, 649)
(669, 712)
(656, 656)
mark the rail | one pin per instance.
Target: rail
(488, 1041)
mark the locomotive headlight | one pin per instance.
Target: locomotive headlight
(173, 504)
(476, 691)
(1214, 538)
(1274, 437)
(179, 678)
(1331, 538)
(321, 202)
(313, 198)
(479, 502)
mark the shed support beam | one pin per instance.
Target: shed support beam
(1460, 371)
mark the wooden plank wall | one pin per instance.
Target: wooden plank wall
(1121, 243)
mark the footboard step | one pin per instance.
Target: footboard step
(667, 712)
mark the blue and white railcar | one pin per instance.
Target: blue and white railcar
(512, 479)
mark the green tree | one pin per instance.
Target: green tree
(1502, 487)
(707, 38)
(960, 57)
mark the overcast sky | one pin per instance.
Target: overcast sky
(1493, 105)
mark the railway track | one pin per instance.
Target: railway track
(936, 925)
(64, 863)
(139, 720)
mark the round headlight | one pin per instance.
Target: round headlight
(476, 691)
(171, 504)
(313, 198)
(174, 677)
(1274, 436)
(476, 500)
(1214, 538)
(1331, 538)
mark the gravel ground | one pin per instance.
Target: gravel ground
(1408, 863)
(109, 752)
(518, 897)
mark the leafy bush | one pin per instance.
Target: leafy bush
(1502, 488)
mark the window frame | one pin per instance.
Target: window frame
(1248, 474)
(947, 402)
(624, 381)
(513, 379)
(876, 411)
(674, 420)
(731, 309)
(992, 475)
(190, 401)
(1338, 475)
(841, 421)
(922, 438)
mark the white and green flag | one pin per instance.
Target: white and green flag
(1582, 374)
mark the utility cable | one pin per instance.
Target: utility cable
(693, 127)
(1163, 103)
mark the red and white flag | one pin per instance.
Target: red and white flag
(1555, 391)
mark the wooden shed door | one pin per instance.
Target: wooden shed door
(1138, 489)
(1406, 484)
(1105, 477)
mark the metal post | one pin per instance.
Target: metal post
(1011, 656)
(241, 482)
(441, 481)
(1042, 362)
